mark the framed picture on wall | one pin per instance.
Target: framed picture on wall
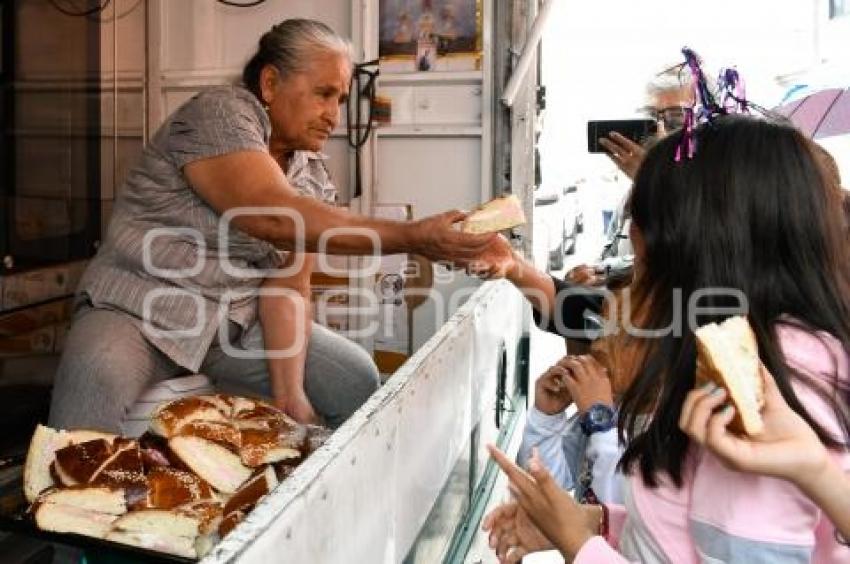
(838, 8)
(430, 35)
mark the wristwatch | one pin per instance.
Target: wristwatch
(598, 418)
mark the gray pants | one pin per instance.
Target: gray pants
(107, 364)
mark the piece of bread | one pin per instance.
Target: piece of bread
(124, 468)
(727, 354)
(229, 522)
(169, 418)
(41, 454)
(97, 499)
(495, 215)
(159, 522)
(287, 441)
(60, 518)
(251, 492)
(170, 544)
(212, 462)
(208, 514)
(254, 414)
(77, 463)
(169, 488)
(172, 532)
(243, 501)
(222, 433)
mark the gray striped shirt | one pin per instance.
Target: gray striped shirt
(162, 262)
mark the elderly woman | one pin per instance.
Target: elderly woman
(230, 195)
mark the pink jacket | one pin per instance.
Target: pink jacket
(724, 516)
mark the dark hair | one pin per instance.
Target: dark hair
(288, 47)
(754, 211)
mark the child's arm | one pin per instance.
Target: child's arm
(286, 322)
(547, 425)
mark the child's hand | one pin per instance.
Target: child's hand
(587, 381)
(565, 523)
(787, 448)
(512, 534)
(550, 392)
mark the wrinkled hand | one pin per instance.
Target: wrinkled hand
(551, 395)
(565, 523)
(499, 260)
(297, 405)
(437, 239)
(787, 448)
(512, 534)
(585, 275)
(625, 153)
(587, 381)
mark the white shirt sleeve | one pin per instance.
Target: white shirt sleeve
(545, 432)
(603, 453)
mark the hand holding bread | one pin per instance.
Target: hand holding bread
(786, 447)
(738, 413)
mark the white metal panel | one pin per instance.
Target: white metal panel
(203, 34)
(364, 496)
(433, 175)
(451, 104)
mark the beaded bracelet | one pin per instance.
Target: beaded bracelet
(604, 522)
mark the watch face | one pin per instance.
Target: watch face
(598, 418)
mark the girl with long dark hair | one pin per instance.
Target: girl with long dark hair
(749, 223)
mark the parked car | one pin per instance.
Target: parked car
(556, 224)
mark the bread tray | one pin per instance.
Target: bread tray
(13, 519)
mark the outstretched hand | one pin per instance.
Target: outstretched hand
(437, 239)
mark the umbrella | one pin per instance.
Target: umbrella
(822, 114)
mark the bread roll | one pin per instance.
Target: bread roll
(41, 454)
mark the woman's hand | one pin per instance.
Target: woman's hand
(512, 534)
(625, 153)
(553, 511)
(787, 448)
(296, 404)
(437, 239)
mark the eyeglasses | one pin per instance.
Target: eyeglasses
(671, 117)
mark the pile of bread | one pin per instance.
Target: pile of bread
(180, 488)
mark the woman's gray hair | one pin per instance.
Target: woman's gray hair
(674, 78)
(289, 46)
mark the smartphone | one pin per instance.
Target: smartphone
(638, 130)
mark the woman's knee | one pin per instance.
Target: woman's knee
(340, 375)
(106, 365)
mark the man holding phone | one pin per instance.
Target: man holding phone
(669, 93)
